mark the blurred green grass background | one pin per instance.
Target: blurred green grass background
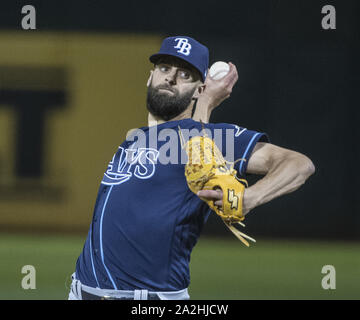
(220, 268)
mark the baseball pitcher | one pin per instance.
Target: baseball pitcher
(165, 180)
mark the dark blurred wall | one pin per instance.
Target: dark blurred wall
(297, 82)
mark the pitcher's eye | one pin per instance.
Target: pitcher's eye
(184, 74)
(163, 68)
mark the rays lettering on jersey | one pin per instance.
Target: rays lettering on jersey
(127, 163)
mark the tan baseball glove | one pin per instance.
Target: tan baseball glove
(206, 169)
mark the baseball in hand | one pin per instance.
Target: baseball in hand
(219, 70)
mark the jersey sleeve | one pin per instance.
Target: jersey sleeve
(241, 145)
(245, 141)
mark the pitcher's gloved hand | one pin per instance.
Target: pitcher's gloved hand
(207, 170)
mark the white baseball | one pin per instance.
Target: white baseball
(219, 70)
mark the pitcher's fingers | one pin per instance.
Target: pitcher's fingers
(210, 194)
(234, 74)
(218, 203)
(208, 78)
(236, 71)
(231, 78)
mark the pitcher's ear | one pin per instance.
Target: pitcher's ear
(150, 78)
(200, 89)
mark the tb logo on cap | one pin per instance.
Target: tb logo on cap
(184, 46)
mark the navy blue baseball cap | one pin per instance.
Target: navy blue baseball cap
(187, 49)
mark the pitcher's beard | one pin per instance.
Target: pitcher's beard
(167, 106)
